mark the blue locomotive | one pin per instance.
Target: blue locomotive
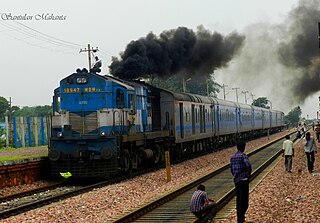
(103, 126)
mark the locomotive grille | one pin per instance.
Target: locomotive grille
(83, 122)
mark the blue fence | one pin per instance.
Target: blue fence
(31, 131)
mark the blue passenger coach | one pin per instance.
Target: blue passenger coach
(103, 126)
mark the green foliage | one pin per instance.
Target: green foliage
(201, 84)
(2, 138)
(37, 111)
(261, 102)
(172, 84)
(23, 153)
(4, 106)
(293, 117)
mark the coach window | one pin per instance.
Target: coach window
(187, 116)
(119, 98)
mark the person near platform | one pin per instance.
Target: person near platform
(304, 129)
(317, 130)
(299, 129)
(288, 153)
(200, 204)
(310, 148)
(241, 171)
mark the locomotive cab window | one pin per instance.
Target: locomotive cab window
(119, 98)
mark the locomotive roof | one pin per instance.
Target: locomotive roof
(118, 81)
(182, 96)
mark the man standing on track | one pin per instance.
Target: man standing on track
(241, 171)
(288, 153)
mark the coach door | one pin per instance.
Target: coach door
(181, 121)
(193, 120)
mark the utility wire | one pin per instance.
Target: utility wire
(42, 37)
(60, 40)
(45, 41)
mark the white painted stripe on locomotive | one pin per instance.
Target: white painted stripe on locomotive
(60, 120)
(105, 117)
(139, 119)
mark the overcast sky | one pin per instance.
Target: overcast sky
(35, 60)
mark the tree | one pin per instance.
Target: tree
(203, 85)
(261, 102)
(36, 111)
(293, 117)
(4, 106)
(195, 85)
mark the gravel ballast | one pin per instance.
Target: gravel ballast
(287, 197)
(107, 203)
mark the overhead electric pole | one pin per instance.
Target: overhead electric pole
(89, 50)
(245, 95)
(224, 91)
(319, 33)
(236, 88)
(252, 97)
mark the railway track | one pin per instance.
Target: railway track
(174, 207)
(32, 199)
(19, 203)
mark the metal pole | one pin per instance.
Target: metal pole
(183, 85)
(7, 131)
(236, 88)
(245, 95)
(89, 56)
(252, 97)
(23, 142)
(224, 91)
(35, 121)
(319, 33)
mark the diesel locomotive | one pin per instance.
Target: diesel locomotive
(103, 126)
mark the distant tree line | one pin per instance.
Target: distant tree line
(26, 111)
(202, 85)
(293, 117)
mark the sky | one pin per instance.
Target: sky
(37, 52)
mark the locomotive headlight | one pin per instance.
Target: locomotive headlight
(102, 133)
(81, 80)
(59, 134)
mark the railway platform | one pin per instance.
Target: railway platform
(22, 165)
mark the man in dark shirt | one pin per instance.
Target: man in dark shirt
(241, 171)
(200, 204)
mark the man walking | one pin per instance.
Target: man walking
(310, 148)
(288, 153)
(241, 171)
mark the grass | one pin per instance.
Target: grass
(7, 154)
(9, 158)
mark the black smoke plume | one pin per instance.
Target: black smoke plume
(178, 51)
(300, 50)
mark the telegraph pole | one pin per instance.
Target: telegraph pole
(10, 109)
(236, 88)
(319, 33)
(224, 91)
(9, 124)
(89, 50)
(245, 95)
(252, 97)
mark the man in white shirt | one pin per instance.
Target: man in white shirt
(288, 153)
